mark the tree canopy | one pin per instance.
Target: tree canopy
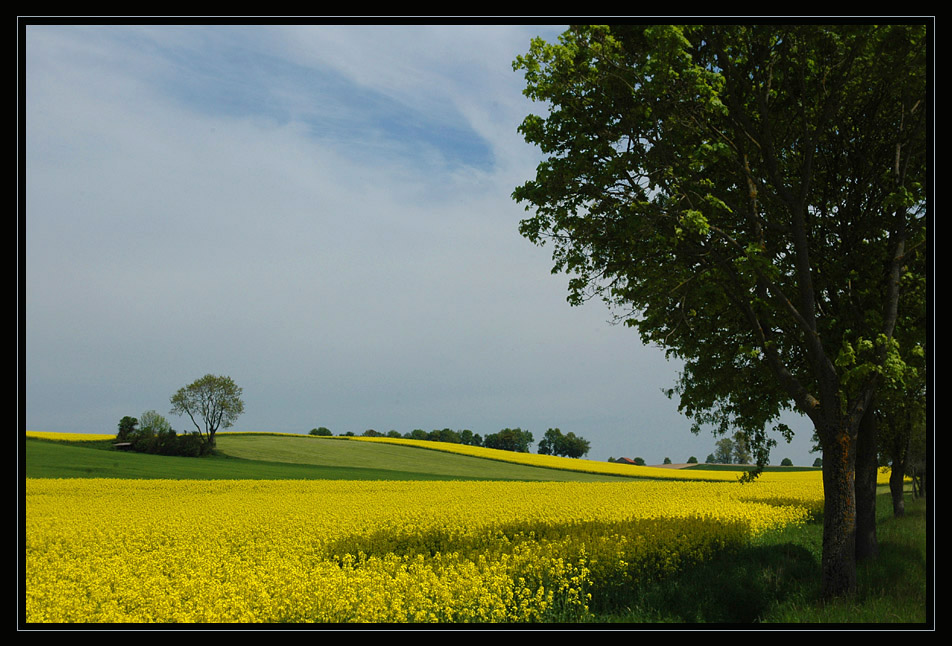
(753, 199)
(215, 400)
(567, 445)
(509, 439)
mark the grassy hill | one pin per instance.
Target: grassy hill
(274, 457)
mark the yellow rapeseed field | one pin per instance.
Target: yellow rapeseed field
(101, 550)
(70, 437)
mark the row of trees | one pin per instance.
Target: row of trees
(755, 199)
(507, 439)
(465, 436)
(639, 461)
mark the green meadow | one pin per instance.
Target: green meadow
(251, 456)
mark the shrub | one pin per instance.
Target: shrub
(127, 428)
(156, 436)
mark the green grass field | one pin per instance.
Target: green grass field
(269, 457)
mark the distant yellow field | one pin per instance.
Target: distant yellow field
(589, 466)
(70, 437)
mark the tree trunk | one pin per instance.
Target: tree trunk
(839, 514)
(895, 487)
(867, 545)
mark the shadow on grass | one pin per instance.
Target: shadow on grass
(736, 587)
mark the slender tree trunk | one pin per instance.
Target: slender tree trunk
(867, 545)
(839, 514)
(896, 484)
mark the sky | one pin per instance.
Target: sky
(324, 214)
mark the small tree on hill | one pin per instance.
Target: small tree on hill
(215, 400)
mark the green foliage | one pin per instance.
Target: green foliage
(568, 445)
(692, 460)
(320, 431)
(745, 196)
(127, 427)
(509, 439)
(213, 400)
(155, 435)
(667, 461)
(724, 451)
(639, 462)
(786, 462)
(152, 424)
(444, 435)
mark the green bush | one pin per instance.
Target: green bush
(156, 436)
(127, 428)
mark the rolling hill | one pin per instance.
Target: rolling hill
(274, 456)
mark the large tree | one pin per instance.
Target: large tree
(749, 198)
(215, 400)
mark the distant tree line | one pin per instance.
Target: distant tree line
(639, 461)
(507, 439)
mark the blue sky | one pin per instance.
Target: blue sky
(322, 213)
